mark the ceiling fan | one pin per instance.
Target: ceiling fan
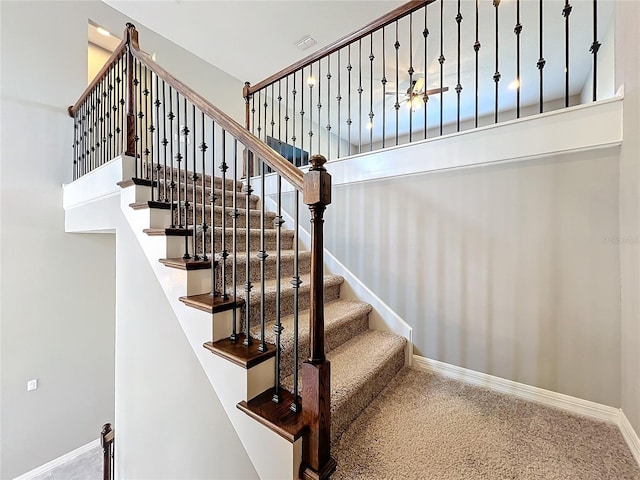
(415, 95)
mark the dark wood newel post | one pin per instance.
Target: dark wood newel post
(131, 34)
(317, 463)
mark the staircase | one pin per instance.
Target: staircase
(363, 360)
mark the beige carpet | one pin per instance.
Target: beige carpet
(425, 426)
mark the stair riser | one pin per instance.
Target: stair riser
(286, 303)
(334, 337)
(286, 273)
(241, 220)
(270, 241)
(241, 199)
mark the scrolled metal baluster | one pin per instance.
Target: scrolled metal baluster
(277, 328)
(441, 60)
(248, 286)
(595, 46)
(517, 30)
(396, 45)
(224, 254)
(203, 205)
(496, 75)
(296, 282)
(458, 84)
(194, 179)
(262, 256)
(234, 268)
(541, 61)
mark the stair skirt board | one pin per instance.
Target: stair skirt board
(363, 360)
(549, 398)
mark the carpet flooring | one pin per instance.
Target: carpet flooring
(425, 426)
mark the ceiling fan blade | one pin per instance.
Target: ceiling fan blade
(433, 91)
(418, 85)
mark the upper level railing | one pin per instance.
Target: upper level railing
(430, 68)
(193, 156)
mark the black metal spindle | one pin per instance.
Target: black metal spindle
(397, 70)
(302, 89)
(339, 101)
(476, 48)
(203, 204)
(496, 75)
(90, 145)
(111, 149)
(595, 46)
(296, 282)
(212, 201)
(411, 84)
(234, 243)
(273, 122)
(311, 81)
(541, 61)
(259, 127)
(277, 328)
(349, 121)
(328, 155)
(293, 124)
(156, 128)
(145, 113)
(518, 30)
(172, 186)
(370, 124)
(253, 113)
(360, 90)
(75, 146)
(280, 116)
(184, 178)
(425, 96)
(248, 286)
(137, 88)
(223, 224)
(319, 105)
(383, 80)
(194, 187)
(262, 256)
(266, 108)
(165, 142)
(441, 60)
(566, 11)
(458, 84)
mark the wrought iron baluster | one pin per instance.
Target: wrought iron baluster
(296, 282)
(339, 100)
(145, 112)
(458, 85)
(425, 96)
(273, 123)
(185, 178)
(319, 105)
(328, 107)
(259, 128)
(165, 142)
(194, 187)
(262, 256)
(203, 204)
(360, 90)
(172, 185)
(253, 114)
(224, 254)
(156, 129)
(137, 86)
(234, 246)
(280, 116)
(441, 60)
(311, 81)
(371, 115)
(595, 46)
(248, 286)
(110, 100)
(496, 75)
(541, 61)
(476, 48)
(518, 30)
(301, 117)
(397, 70)
(293, 125)
(277, 328)
(212, 201)
(566, 11)
(349, 121)
(383, 80)
(411, 72)
(266, 107)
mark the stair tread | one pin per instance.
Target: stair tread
(286, 287)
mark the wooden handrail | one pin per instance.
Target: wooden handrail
(288, 171)
(113, 59)
(383, 21)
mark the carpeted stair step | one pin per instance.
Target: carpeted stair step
(254, 216)
(286, 239)
(217, 181)
(344, 319)
(360, 369)
(241, 198)
(287, 258)
(332, 284)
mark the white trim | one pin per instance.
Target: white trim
(630, 436)
(56, 462)
(539, 395)
(520, 390)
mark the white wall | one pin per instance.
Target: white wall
(628, 74)
(58, 290)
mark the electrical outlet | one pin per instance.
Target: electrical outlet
(32, 385)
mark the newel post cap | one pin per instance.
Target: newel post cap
(317, 183)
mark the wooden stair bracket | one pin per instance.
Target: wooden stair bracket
(317, 463)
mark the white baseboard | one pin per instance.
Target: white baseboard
(630, 436)
(539, 395)
(59, 461)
